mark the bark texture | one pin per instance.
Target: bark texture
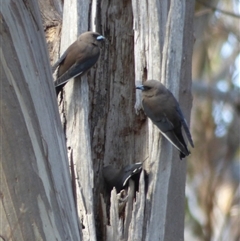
(103, 122)
(98, 109)
(36, 194)
(144, 41)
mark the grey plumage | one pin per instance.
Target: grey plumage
(78, 58)
(162, 108)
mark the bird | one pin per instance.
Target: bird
(119, 178)
(78, 58)
(160, 105)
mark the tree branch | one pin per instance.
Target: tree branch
(219, 10)
(232, 97)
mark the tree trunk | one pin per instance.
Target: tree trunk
(164, 209)
(36, 195)
(99, 109)
(103, 123)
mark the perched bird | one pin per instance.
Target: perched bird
(162, 108)
(119, 178)
(78, 58)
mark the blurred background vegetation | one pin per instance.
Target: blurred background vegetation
(212, 189)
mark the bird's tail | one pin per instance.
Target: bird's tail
(178, 141)
(188, 134)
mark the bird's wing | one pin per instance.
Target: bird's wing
(75, 70)
(172, 134)
(71, 73)
(162, 118)
(129, 171)
(76, 64)
(59, 61)
(157, 113)
(185, 126)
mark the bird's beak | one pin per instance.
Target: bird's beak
(100, 38)
(140, 87)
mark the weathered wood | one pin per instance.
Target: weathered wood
(166, 171)
(74, 112)
(96, 109)
(145, 40)
(51, 12)
(128, 209)
(135, 231)
(36, 195)
(163, 192)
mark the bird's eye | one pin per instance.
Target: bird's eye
(147, 88)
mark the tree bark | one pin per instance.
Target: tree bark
(99, 107)
(164, 214)
(36, 195)
(103, 123)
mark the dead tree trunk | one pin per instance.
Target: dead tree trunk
(36, 195)
(146, 40)
(98, 110)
